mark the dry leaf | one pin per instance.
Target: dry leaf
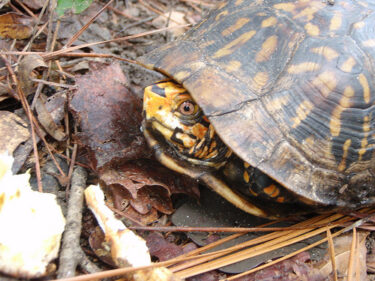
(26, 67)
(45, 118)
(109, 116)
(13, 131)
(15, 26)
(342, 248)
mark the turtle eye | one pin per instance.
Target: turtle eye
(187, 108)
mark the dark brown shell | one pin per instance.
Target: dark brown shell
(289, 87)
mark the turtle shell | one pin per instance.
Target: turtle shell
(289, 87)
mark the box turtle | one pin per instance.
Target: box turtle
(271, 104)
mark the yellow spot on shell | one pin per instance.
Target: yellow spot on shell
(359, 25)
(366, 89)
(233, 66)
(369, 43)
(181, 75)
(364, 142)
(312, 29)
(246, 176)
(287, 7)
(239, 23)
(345, 148)
(271, 190)
(335, 122)
(303, 67)
(280, 199)
(326, 82)
(271, 21)
(307, 13)
(246, 165)
(336, 22)
(235, 44)
(268, 48)
(261, 79)
(302, 112)
(328, 53)
(207, 43)
(348, 65)
(223, 13)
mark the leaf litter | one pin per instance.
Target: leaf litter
(100, 130)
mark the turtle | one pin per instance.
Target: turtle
(271, 104)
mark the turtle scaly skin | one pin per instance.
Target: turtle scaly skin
(285, 89)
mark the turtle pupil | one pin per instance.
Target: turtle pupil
(187, 108)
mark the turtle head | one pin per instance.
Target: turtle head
(172, 116)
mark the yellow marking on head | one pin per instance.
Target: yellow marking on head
(268, 48)
(253, 192)
(302, 112)
(327, 52)
(271, 21)
(326, 82)
(246, 176)
(366, 89)
(228, 153)
(212, 146)
(287, 7)
(234, 45)
(345, 148)
(303, 67)
(233, 65)
(246, 165)
(239, 23)
(223, 13)
(336, 22)
(199, 130)
(271, 190)
(261, 79)
(369, 43)
(335, 122)
(312, 29)
(348, 65)
(359, 25)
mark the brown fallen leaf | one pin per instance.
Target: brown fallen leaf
(146, 184)
(109, 116)
(33, 4)
(161, 248)
(342, 248)
(26, 71)
(13, 131)
(16, 26)
(46, 120)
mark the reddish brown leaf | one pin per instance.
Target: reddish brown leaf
(15, 26)
(109, 116)
(161, 248)
(146, 184)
